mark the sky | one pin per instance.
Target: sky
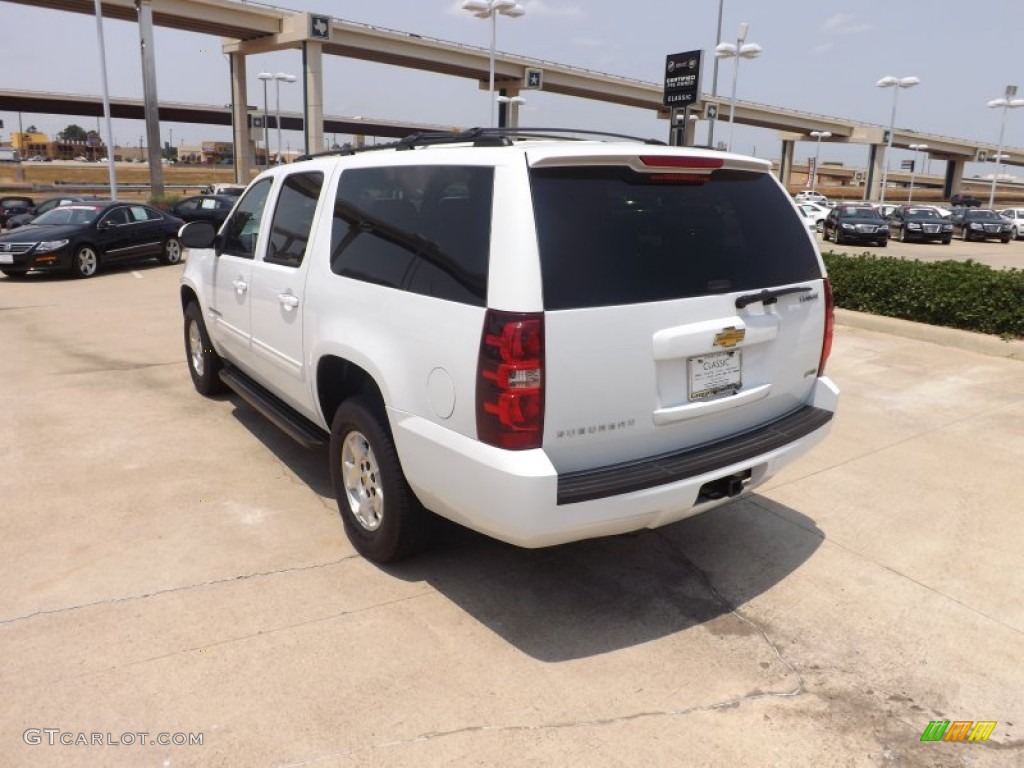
(822, 57)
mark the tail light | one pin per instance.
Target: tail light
(826, 342)
(510, 380)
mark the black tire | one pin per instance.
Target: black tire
(85, 262)
(170, 251)
(1005, 239)
(882, 243)
(383, 518)
(947, 242)
(824, 234)
(204, 364)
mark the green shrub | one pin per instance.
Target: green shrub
(957, 294)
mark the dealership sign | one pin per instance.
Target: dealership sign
(682, 79)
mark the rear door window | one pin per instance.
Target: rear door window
(610, 236)
(424, 229)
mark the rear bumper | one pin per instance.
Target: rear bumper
(519, 497)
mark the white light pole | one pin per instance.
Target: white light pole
(913, 168)
(277, 79)
(896, 83)
(1005, 103)
(741, 50)
(489, 9)
(819, 135)
(510, 102)
(106, 102)
(266, 77)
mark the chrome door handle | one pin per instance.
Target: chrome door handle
(240, 286)
(288, 301)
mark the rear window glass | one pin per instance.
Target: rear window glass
(611, 236)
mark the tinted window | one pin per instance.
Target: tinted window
(609, 236)
(116, 216)
(187, 205)
(425, 229)
(242, 229)
(293, 218)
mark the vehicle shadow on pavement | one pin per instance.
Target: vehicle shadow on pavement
(591, 597)
(309, 464)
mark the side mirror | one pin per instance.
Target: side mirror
(197, 234)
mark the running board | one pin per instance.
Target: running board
(287, 419)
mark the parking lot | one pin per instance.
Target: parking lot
(991, 252)
(175, 565)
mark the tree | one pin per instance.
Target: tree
(73, 133)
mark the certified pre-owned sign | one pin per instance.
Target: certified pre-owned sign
(682, 79)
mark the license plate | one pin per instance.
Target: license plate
(714, 374)
(6, 258)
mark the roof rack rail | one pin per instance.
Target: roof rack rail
(483, 137)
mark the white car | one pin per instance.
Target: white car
(816, 213)
(1016, 216)
(542, 339)
(810, 197)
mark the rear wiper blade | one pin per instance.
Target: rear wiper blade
(767, 297)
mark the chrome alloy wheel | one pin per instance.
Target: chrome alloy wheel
(195, 347)
(361, 476)
(86, 262)
(172, 251)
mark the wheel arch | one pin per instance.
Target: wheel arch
(188, 295)
(338, 379)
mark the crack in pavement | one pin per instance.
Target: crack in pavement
(115, 368)
(171, 590)
(833, 542)
(771, 486)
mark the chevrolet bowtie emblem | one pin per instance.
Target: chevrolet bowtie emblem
(729, 337)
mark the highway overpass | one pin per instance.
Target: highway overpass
(252, 29)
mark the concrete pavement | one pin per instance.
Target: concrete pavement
(175, 565)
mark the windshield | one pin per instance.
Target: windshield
(923, 213)
(980, 214)
(862, 212)
(69, 214)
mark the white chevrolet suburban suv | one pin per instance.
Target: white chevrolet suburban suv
(543, 339)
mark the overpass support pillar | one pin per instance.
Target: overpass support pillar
(786, 162)
(240, 119)
(954, 178)
(872, 184)
(313, 96)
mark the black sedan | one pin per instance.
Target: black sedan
(81, 237)
(913, 222)
(858, 223)
(981, 224)
(49, 204)
(211, 208)
(12, 205)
